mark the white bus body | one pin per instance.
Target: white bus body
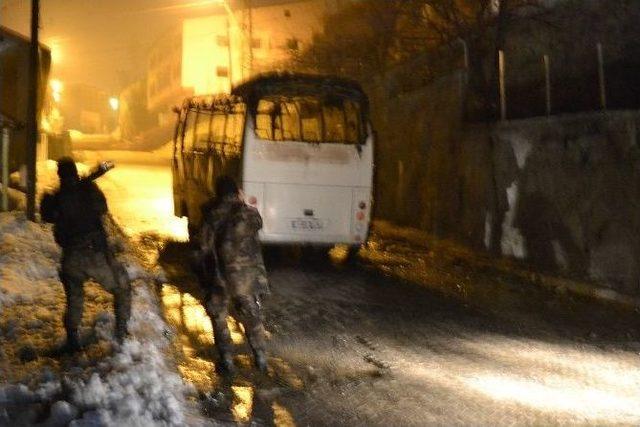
(305, 161)
(309, 193)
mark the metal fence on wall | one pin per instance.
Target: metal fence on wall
(548, 89)
(530, 85)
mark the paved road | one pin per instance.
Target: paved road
(353, 346)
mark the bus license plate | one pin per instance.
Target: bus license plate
(306, 224)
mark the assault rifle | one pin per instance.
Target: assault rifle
(209, 265)
(47, 202)
(99, 170)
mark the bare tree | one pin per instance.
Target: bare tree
(373, 36)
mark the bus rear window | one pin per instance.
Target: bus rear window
(309, 119)
(188, 129)
(214, 129)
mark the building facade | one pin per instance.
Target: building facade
(14, 96)
(210, 54)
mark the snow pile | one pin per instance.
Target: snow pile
(137, 385)
(28, 258)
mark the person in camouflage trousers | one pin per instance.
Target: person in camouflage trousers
(236, 272)
(77, 211)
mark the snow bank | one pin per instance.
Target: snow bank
(138, 385)
(28, 258)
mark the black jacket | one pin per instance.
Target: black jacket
(76, 211)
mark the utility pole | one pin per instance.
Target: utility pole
(502, 86)
(32, 110)
(547, 82)
(250, 11)
(601, 78)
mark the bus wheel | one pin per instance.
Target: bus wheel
(352, 254)
(193, 234)
(342, 254)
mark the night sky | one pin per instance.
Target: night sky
(103, 42)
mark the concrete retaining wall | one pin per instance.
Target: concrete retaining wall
(562, 193)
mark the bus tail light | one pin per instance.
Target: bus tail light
(360, 220)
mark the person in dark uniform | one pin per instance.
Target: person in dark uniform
(76, 209)
(232, 255)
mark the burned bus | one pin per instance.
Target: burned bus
(300, 146)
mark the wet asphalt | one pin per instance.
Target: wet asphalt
(379, 341)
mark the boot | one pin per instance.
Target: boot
(120, 337)
(72, 345)
(121, 332)
(226, 364)
(260, 360)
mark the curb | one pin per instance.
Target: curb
(387, 229)
(599, 293)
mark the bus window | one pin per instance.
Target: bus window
(290, 118)
(308, 119)
(235, 125)
(352, 121)
(265, 118)
(311, 119)
(202, 138)
(177, 143)
(333, 124)
(218, 127)
(189, 128)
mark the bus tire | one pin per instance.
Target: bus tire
(182, 209)
(353, 254)
(193, 234)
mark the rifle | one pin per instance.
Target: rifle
(99, 170)
(209, 264)
(48, 203)
(212, 269)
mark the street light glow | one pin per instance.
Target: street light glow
(114, 103)
(56, 85)
(56, 89)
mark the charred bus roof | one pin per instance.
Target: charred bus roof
(297, 84)
(215, 103)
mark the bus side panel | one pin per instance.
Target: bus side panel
(177, 176)
(194, 193)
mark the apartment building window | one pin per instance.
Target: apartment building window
(287, 13)
(222, 71)
(222, 41)
(256, 43)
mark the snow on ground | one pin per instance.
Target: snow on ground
(28, 258)
(134, 385)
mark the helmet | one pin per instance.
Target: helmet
(226, 186)
(67, 168)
